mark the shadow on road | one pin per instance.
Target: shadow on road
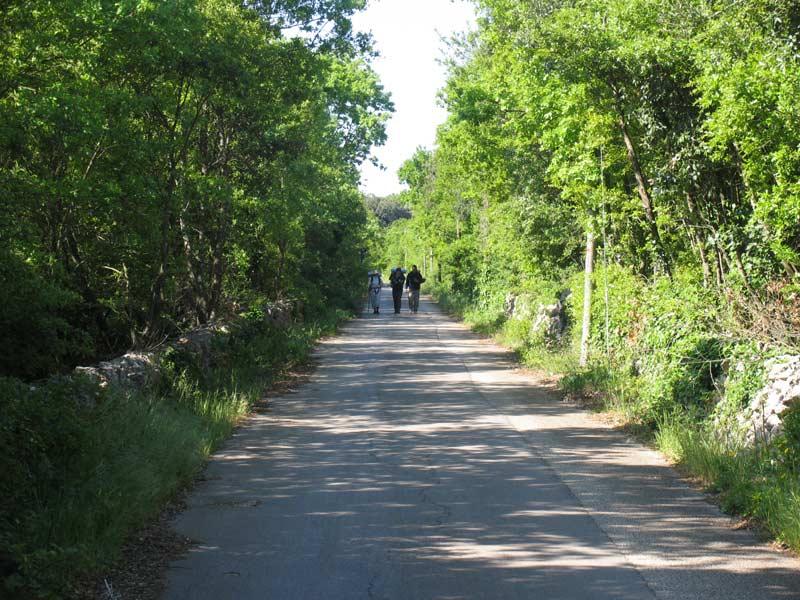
(414, 464)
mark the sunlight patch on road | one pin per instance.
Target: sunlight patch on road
(550, 550)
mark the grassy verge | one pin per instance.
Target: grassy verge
(755, 482)
(759, 482)
(83, 467)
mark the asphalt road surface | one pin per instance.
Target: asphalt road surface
(418, 463)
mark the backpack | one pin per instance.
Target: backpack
(397, 278)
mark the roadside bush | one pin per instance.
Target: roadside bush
(617, 311)
(42, 429)
(83, 466)
(656, 350)
(743, 377)
(36, 333)
(453, 302)
(758, 482)
(516, 334)
(485, 313)
(683, 373)
(787, 444)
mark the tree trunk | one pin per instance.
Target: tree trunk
(165, 250)
(696, 240)
(217, 276)
(282, 251)
(644, 195)
(737, 255)
(587, 299)
(195, 275)
(720, 266)
(701, 248)
(485, 221)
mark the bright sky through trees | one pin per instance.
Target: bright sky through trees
(408, 34)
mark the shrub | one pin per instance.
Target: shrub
(36, 336)
(43, 429)
(787, 444)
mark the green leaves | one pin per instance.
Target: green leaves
(167, 157)
(671, 127)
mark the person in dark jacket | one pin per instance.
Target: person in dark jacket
(397, 279)
(413, 283)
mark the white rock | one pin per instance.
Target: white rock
(781, 389)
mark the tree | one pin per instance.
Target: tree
(163, 159)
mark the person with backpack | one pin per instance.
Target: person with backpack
(413, 283)
(374, 290)
(397, 279)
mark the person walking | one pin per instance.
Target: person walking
(397, 279)
(413, 283)
(374, 290)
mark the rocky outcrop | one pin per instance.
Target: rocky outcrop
(282, 313)
(519, 306)
(781, 390)
(133, 370)
(197, 343)
(548, 321)
(509, 305)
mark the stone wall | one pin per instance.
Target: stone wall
(133, 370)
(781, 390)
(138, 369)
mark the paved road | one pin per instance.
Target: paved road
(419, 464)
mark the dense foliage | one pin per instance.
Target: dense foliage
(636, 120)
(160, 161)
(666, 137)
(162, 165)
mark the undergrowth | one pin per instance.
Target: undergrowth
(84, 466)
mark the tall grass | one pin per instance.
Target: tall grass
(750, 481)
(83, 467)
